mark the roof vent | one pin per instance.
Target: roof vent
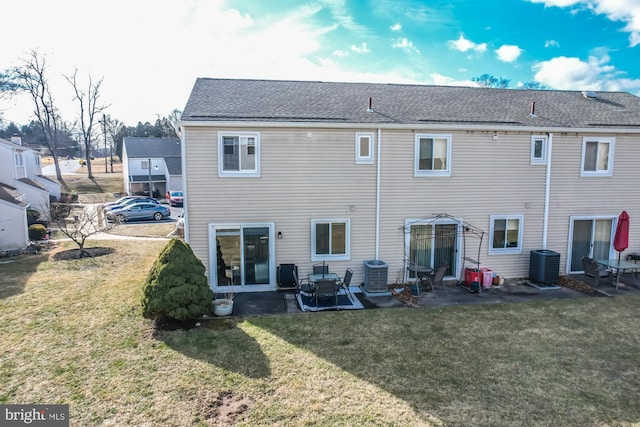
(589, 94)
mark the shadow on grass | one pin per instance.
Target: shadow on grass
(221, 343)
(15, 272)
(488, 365)
(98, 186)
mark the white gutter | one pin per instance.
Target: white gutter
(242, 124)
(547, 190)
(378, 197)
(185, 201)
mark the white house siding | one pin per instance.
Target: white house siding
(125, 170)
(13, 226)
(302, 177)
(572, 195)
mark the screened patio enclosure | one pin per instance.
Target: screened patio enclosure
(441, 240)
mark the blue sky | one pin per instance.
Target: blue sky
(149, 52)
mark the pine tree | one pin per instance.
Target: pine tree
(176, 286)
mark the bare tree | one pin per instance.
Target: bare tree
(89, 109)
(33, 79)
(79, 222)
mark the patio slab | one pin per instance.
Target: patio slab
(274, 302)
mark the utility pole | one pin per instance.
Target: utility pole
(104, 123)
(150, 195)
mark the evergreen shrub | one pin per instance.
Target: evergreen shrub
(37, 232)
(176, 286)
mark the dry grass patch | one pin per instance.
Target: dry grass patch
(71, 332)
(144, 230)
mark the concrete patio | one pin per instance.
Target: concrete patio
(512, 291)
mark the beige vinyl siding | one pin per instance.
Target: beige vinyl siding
(488, 177)
(310, 173)
(572, 195)
(305, 174)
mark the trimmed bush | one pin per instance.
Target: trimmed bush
(37, 232)
(176, 286)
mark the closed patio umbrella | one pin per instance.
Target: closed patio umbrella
(621, 239)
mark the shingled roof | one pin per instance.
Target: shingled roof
(169, 148)
(220, 100)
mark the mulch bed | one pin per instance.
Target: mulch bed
(77, 254)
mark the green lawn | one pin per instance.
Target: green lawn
(71, 332)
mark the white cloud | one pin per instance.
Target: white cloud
(363, 48)
(405, 44)
(340, 53)
(551, 43)
(626, 11)
(396, 27)
(508, 53)
(463, 45)
(441, 80)
(570, 73)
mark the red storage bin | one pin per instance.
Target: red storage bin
(471, 275)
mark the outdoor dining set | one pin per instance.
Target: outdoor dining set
(321, 285)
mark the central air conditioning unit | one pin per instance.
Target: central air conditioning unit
(375, 276)
(544, 266)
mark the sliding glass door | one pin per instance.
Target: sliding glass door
(241, 257)
(432, 245)
(590, 237)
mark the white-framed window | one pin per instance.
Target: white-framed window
(19, 160)
(37, 159)
(505, 234)
(432, 155)
(330, 239)
(239, 154)
(538, 150)
(364, 148)
(597, 156)
(144, 164)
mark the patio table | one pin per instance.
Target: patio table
(621, 267)
(313, 278)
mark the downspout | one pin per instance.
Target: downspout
(547, 190)
(378, 198)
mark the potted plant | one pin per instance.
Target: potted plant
(223, 306)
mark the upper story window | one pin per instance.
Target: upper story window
(364, 148)
(432, 155)
(330, 239)
(597, 156)
(505, 234)
(238, 154)
(37, 159)
(538, 150)
(144, 164)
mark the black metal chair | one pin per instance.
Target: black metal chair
(320, 269)
(286, 277)
(346, 280)
(326, 289)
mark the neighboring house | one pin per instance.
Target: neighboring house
(20, 167)
(151, 164)
(344, 173)
(14, 234)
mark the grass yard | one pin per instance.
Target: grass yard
(71, 332)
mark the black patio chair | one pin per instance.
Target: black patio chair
(286, 277)
(326, 289)
(346, 280)
(320, 269)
